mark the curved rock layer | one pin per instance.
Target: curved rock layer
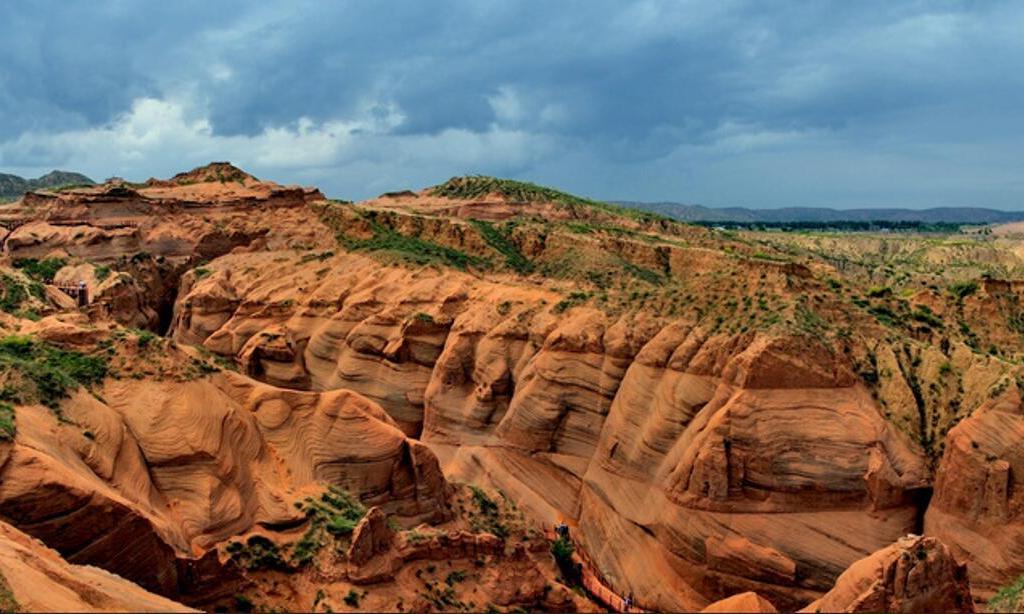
(147, 480)
(978, 504)
(714, 463)
(39, 580)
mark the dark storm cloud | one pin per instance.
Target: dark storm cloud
(727, 102)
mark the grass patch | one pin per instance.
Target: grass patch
(501, 241)
(642, 273)
(40, 270)
(575, 298)
(413, 249)
(7, 601)
(35, 371)
(16, 292)
(523, 192)
(1007, 597)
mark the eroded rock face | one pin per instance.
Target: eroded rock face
(41, 581)
(916, 574)
(159, 472)
(716, 463)
(147, 236)
(372, 543)
(978, 504)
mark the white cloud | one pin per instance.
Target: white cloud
(173, 135)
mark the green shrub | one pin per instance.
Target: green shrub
(642, 273)
(14, 294)
(963, 289)
(40, 270)
(414, 249)
(256, 553)
(7, 427)
(574, 298)
(489, 518)
(926, 317)
(144, 338)
(318, 257)
(454, 578)
(101, 272)
(352, 599)
(335, 512)
(562, 549)
(52, 371)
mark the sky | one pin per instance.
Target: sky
(717, 102)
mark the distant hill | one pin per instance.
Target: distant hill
(952, 215)
(13, 186)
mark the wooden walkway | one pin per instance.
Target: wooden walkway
(591, 578)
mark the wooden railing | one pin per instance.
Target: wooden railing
(76, 291)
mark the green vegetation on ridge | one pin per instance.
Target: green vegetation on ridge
(1008, 597)
(523, 192)
(35, 371)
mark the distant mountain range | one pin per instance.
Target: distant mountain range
(952, 215)
(12, 186)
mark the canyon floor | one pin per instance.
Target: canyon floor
(272, 400)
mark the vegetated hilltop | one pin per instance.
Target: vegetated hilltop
(12, 186)
(280, 400)
(824, 215)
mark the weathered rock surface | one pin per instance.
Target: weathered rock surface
(978, 504)
(372, 543)
(717, 463)
(40, 581)
(158, 473)
(756, 443)
(915, 574)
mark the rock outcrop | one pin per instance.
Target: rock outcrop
(978, 504)
(372, 543)
(37, 579)
(718, 463)
(156, 474)
(713, 417)
(742, 602)
(916, 574)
